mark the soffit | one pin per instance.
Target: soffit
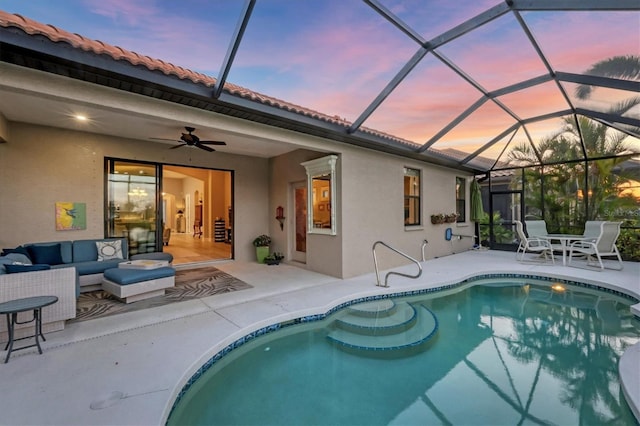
(461, 98)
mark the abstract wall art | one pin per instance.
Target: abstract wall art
(71, 216)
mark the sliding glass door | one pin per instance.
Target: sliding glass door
(133, 204)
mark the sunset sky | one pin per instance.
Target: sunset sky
(335, 56)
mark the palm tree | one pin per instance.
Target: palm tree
(557, 186)
(623, 67)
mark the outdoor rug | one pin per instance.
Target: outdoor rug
(190, 284)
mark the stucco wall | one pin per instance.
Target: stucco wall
(324, 252)
(370, 202)
(42, 165)
(372, 210)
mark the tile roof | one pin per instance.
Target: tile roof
(57, 35)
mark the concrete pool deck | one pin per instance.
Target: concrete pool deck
(128, 368)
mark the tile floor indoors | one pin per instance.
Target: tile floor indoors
(147, 356)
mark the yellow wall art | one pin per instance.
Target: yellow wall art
(71, 216)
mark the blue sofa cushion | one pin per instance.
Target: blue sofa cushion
(20, 249)
(13, 259)
(65, 250)
(93, 267)
(14, 269)
(48, 254)
(87, 250)
(124, 276)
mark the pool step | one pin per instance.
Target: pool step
(373, 309)
(378, 318)
(408, 330)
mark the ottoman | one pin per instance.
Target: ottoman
(158, 255)
(130, 285)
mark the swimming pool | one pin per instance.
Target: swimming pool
(505, 351)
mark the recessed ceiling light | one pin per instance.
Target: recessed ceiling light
(80, 117)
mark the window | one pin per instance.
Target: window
(321, 184)
(411, 197)
(460, 198)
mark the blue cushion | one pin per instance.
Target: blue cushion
(13, 269)
(17, 258)
(86, 250)
(19, 249)
(11, 259)
(124, 276)
(95, 266)
(65, 249)
(48, 254)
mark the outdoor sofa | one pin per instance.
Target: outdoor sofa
(59, 282)
(90, 258)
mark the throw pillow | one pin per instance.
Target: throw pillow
(19, 249)
(109, 250)
(18, 258)
(4, 260)
(48, 254)
(14, 269)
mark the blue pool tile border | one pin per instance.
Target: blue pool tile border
(319, 317)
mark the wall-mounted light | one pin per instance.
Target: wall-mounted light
(280, 216)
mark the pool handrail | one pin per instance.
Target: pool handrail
(386, 277)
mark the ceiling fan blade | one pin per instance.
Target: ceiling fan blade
(178, 146)
(163, 139)
(206, 148)
(213, 142)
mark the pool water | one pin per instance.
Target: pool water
(506, 352)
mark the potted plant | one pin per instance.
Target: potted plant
(274, 258)
(437, 218)
(451, 218)
(261, 243)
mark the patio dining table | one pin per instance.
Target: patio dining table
(565, 241)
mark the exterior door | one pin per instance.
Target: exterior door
(132, 189)
(299, 234)
(505, 207)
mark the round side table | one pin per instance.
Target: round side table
(13, 307)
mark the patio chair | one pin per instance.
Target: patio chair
(592, 228)
(532, 244)
(604, 245)
(536, 228)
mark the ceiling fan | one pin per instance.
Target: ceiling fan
(189, 139)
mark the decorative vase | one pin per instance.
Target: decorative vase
(261, 253)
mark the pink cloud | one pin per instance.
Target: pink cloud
(131, 13)
(575, 41)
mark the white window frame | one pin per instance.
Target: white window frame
(321, 167)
